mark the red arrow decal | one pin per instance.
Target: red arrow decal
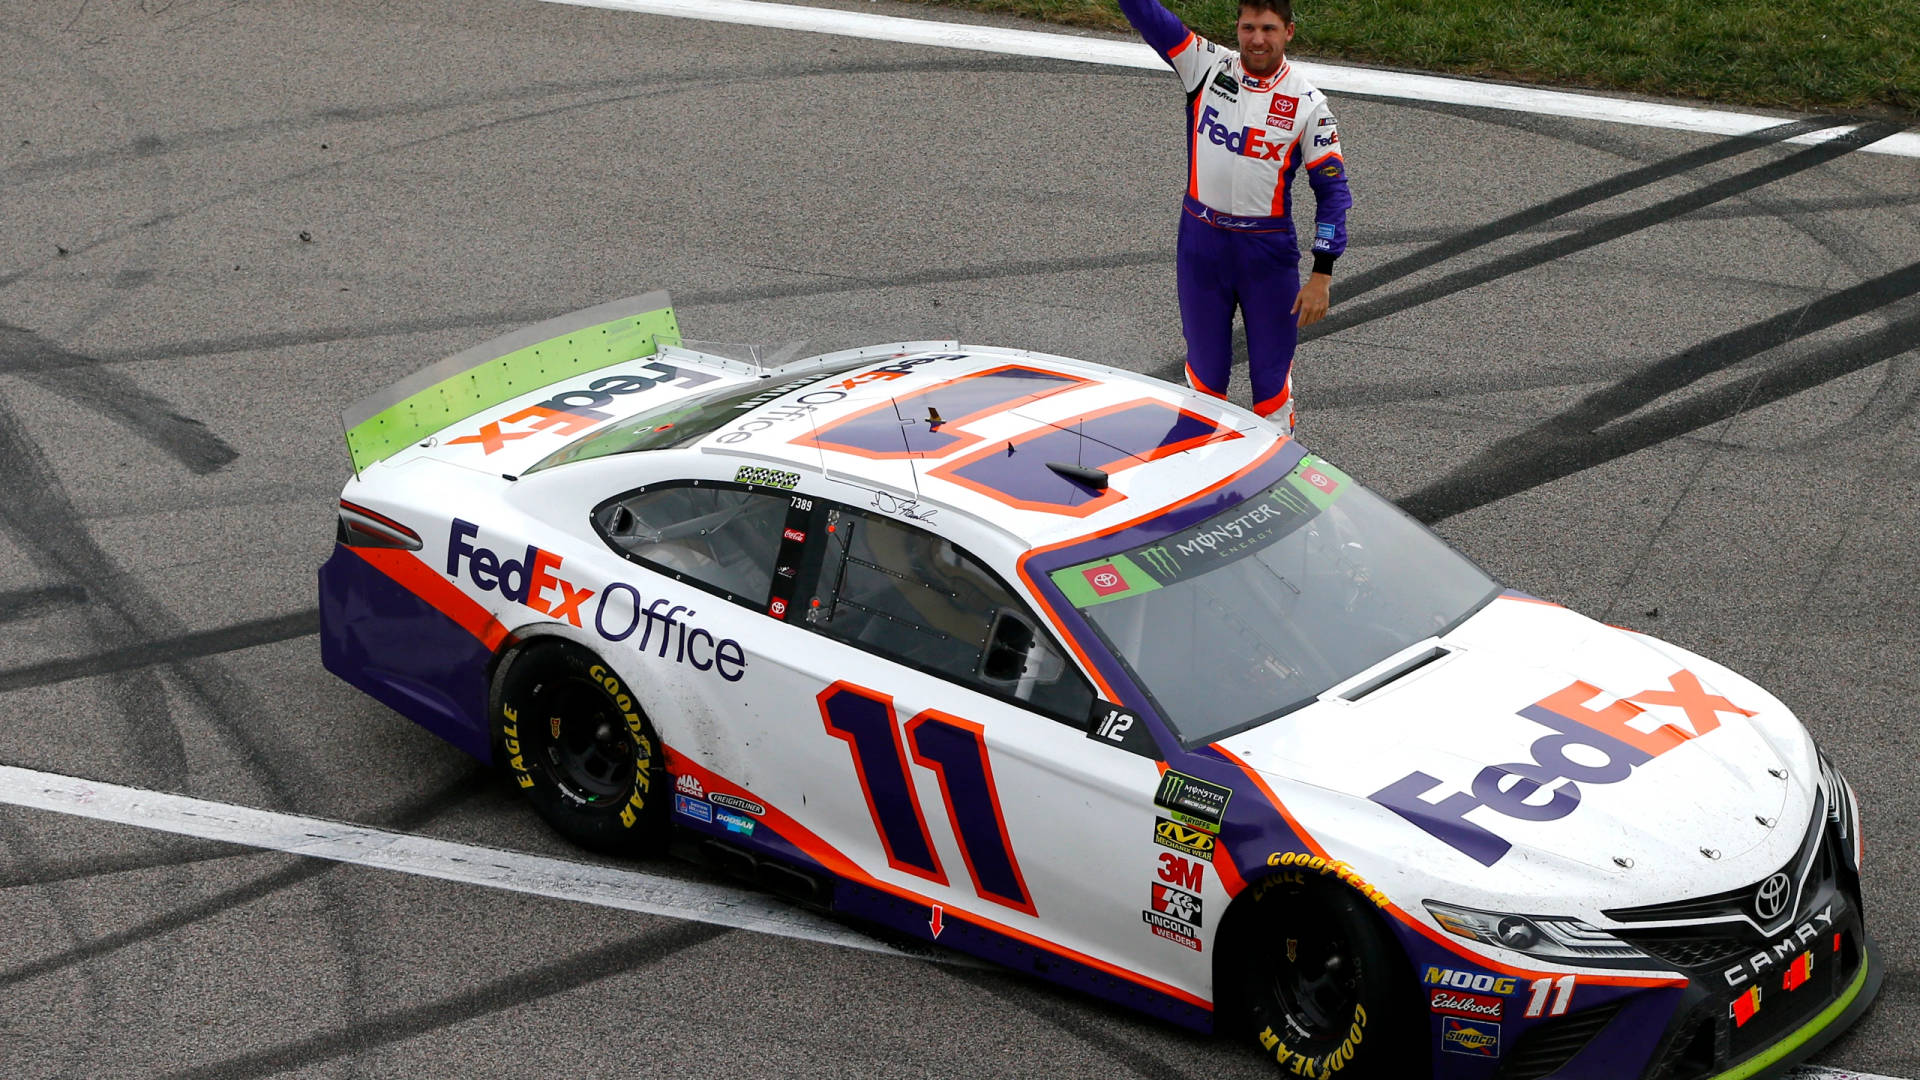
(934, 923)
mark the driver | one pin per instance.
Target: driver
(1252, 122)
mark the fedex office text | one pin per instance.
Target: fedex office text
(532, 581)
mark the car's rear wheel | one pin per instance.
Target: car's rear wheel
(1321, 987)
(573, 737)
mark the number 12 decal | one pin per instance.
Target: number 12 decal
(955, 751)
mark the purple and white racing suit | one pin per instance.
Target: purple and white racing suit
(1246, 137)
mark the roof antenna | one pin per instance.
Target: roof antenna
(906, 444)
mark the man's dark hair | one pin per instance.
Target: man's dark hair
(1282, 8)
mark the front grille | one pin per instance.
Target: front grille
(1734, 903)
(1694, 947)
(1550, 1044)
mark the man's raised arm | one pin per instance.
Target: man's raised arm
(1159, 27)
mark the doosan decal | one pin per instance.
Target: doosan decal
(570, 412)
(532, 581)
(1568, 715)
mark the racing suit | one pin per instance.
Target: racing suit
(1246, 137)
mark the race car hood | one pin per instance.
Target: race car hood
(1537, 738)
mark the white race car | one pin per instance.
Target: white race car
(1100, 679)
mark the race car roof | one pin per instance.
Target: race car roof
(1044, 447)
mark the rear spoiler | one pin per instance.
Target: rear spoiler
(388, 421)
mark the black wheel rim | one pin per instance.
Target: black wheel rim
(588, 744)
(1316, 982)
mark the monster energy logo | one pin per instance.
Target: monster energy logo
(1193, 801)
(1160, 562)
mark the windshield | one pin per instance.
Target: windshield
(1260, 609)
(685, 420)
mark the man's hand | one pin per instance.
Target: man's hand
(1315, 296)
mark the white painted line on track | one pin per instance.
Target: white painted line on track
(1339, 79)
(628, 890)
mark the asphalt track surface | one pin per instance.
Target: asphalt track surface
(1668, 379)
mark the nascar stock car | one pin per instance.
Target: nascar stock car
(1100, 679)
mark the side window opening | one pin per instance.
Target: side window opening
(725, 538)
(907, 594)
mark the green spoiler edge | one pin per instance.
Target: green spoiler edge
(387, 421)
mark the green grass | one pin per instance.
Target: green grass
(1846, 55)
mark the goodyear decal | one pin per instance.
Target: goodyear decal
(1328, 867)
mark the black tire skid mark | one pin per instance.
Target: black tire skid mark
(1574, 439)
(1095, 1031)
(1579, 199)
(408, 816)
(1893, 400)
(67, 165)
(1614, 228)
(111, 393)
(159, 744)
(524, 987)
(23, 852)
(165, 649)
(40, 515)
(20, 604)
(677, 84)
(43, 872)
(682, 301)
(1610, 228)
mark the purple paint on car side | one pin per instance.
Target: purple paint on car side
(404, 652)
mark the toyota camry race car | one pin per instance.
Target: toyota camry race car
(1100, 679)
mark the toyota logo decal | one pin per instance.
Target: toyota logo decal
(1771, 899)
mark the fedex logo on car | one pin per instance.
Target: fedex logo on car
(527, 580)
(617, 615)
(570, 412)
(1247, 142)
(1618, 735)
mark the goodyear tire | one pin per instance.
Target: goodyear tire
(1319, 986)
(573, 737)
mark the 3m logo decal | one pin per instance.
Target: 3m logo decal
(1606, 745)
(570, 412)
(1185, 873)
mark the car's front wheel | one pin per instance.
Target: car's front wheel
(573, 737)
(1321, 987)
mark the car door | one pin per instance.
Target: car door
(950, 741)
